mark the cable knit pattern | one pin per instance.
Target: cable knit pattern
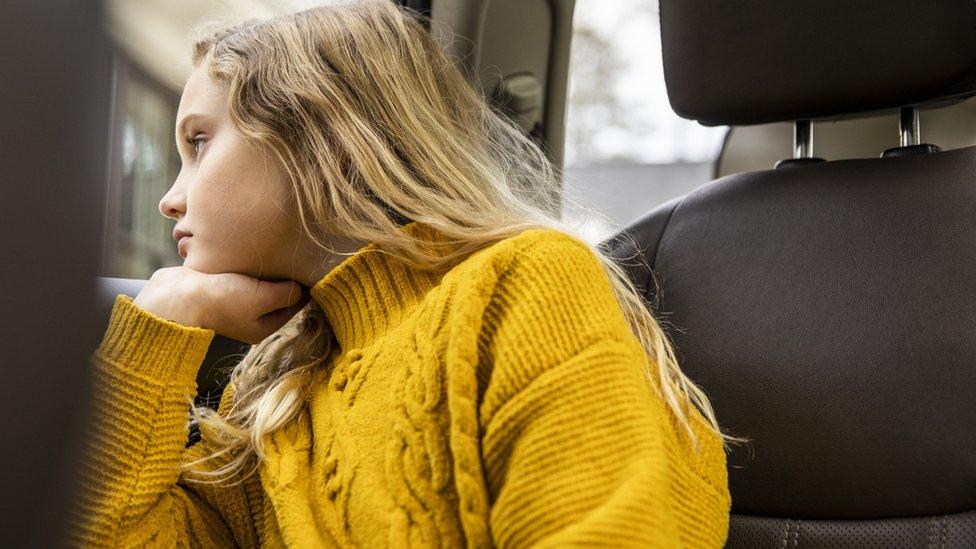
(500, 404)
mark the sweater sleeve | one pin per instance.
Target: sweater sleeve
(573, 438)
(130, 491)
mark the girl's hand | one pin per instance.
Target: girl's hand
(233, 305)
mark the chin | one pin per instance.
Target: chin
(193, 261)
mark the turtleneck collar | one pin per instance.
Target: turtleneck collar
(370, 291)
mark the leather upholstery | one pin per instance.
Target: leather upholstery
(829, 312)
(757, 61)
(953, 530)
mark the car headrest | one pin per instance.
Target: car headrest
(758, 61)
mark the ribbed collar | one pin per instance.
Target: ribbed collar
(370, 291)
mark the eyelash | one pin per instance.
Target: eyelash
(192, 142)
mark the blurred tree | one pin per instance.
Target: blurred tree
(596, 109)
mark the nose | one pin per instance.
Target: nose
(173, 204)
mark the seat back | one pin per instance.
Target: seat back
(828, 309)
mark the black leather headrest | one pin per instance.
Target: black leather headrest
(758, 61)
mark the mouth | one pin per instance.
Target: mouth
(181, 246)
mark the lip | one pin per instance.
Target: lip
(178, 234)
(181, 246)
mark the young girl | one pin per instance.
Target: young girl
(436, 359)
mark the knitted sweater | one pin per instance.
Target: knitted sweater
(500, 404)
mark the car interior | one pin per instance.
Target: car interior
(820, 291)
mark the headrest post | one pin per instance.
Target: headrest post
(802, 146)
(802, 139)
(909, 127)
(911, 136)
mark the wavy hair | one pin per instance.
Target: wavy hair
(375, 124)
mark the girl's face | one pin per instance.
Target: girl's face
(234, 199)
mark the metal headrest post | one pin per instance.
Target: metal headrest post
(908, 126)
(802, 146)
(802, 139)
(910, 134)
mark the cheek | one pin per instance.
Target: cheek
(241, 207)
(248, 221)
(226, 197)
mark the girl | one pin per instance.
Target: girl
(436, 359)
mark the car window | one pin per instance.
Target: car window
(626, 151)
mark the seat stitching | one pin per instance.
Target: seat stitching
(664, 229)
(786, 534)
(652, 280)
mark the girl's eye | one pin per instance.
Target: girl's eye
(193, 141)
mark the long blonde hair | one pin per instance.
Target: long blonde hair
(373, 124)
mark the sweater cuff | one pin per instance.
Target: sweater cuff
(143, 342)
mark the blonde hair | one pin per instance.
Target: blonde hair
(372, 121)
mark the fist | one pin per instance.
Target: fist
(233, 305)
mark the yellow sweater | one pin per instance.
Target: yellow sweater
(502, 404)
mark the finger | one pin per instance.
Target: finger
(284, 314)
(292, 310)
(273, 321)
(277, 295)
(305, 297)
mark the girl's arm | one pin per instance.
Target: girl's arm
(578, 456)
(131, 492)
(574, 441)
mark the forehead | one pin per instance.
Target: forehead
(202, 94)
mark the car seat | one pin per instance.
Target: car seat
(827, 308)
